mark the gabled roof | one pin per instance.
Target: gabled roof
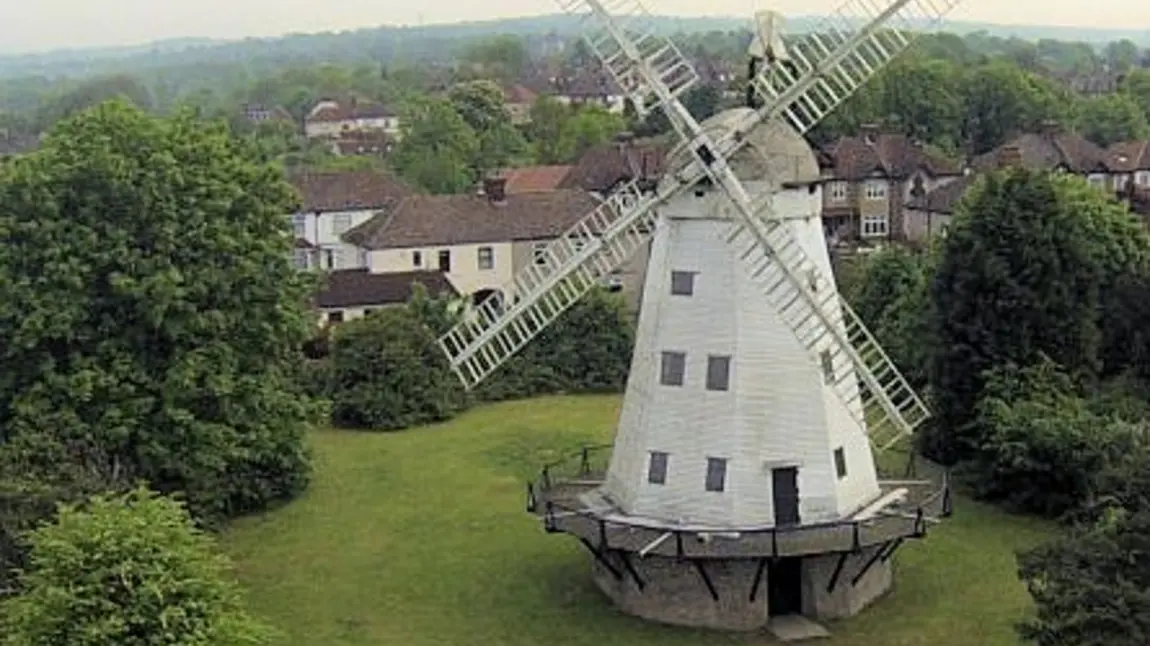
(435, 220)
(348, 190)
(890, 155)
(1050, 150)
(519, 95)
(534, 178)
(362, 288)
(335, 113)
(603, 167)
(944, 198)
(1130, 156)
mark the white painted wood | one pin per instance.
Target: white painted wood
(777, 412)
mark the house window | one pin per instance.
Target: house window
(875, 226)
(875, 189)
(335, 317)
(1097, 181)
(301, 259)
(445, 260)
(1142, 178)
(486, 257)
(299, 225)
(340, 223)
(828, 366)
(840, 463)
(329, 258)
(1121, 182)
(718, 372)
(416, 258)
(657, 468)
(682, 283)
(837, 191)
(368, 311)
(716, 474)
(674, 365)
(539, 254)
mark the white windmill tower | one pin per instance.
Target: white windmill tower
(741, 483)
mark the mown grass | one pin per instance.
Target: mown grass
(419, 538)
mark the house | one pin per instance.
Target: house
(1053, 148)
(591, 88)
(1093, 83)
(929, 215)
(603, 168)
(1130, 165)
(348, 294)
(363, 143)
(334, 202)
(259, 113)
(481, 240)
(529, 179)
(519, 100)
(869, 177)
(329, 119)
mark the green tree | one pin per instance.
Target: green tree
(503, 57)
(481, 105)
(589, 127)
(1091, 587)
(130, 570)
(150, 310)
(1111, 118)
(90, 93)
(548, 117)
(388, 373)
(1002, 99)
(1136, 85)
(922, 99)
(1121, 55)
(1021, 273)
(437, 148)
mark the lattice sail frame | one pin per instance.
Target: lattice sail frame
(831, 63)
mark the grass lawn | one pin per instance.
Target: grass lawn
(419, 538)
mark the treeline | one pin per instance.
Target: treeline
(1025, 327)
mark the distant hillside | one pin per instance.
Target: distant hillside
(429, 42)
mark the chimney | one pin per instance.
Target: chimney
(1009, 155)
(496, 189)
(869, 133)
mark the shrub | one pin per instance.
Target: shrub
(129, 570)
(387, 372)
(1092, 586)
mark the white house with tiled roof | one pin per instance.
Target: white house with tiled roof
(480, 240)
(330, 119)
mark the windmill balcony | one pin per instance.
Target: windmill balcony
(565, 495)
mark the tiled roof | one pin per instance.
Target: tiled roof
(944, 198)
(348, 190)
(1050, 150)
(431, 220)
(891, 155)
(1130, 156)
(517, 94)
(346, 113)
(605, 166)
(534, 178)
(359, 287)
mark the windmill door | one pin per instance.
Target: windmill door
(785, 488)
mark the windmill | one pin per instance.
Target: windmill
(741, 483)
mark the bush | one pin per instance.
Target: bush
(1041, 447)
(387, 372)
(130, 570)
(1091, 587)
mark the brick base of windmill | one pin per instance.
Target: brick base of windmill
(734, 578)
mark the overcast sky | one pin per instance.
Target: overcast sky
(49, 24)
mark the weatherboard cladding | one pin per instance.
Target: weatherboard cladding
(441, 220)
(777, 412)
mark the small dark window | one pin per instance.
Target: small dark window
(657, 469)
(716, 474)
(368, 311)
(674, 365)
(335, 317)
(718, 372)
(486, 258)
(416, 258)
(828, 366)
(682, 283)
(840, 462)
(445, 260)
